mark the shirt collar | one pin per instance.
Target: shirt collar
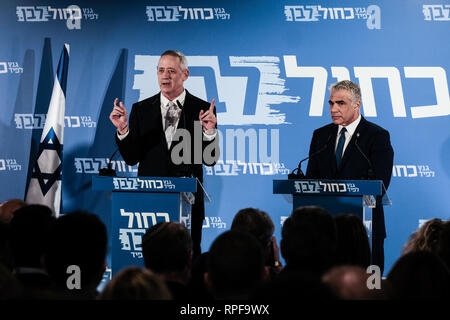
(180, 98)
(351, 127)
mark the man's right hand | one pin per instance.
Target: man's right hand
(118, 117)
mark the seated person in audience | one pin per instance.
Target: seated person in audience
(352, 241)
(196, 284)
(235, 266)
(29, 228)
(308, 240)
(433, 236)
(349, 282)
(260, 225)
(308, 245)
(135, 283)
(443, 247)
(420, 275)
(167, 251)
(425, 238)
(10, 287)
(75, 256)
(8, 207)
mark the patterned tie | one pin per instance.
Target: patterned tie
(171, 118)
(340, 147)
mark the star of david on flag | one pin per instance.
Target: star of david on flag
(45, 184)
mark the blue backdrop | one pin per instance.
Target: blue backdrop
(268, 64)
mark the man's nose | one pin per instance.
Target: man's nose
(166, 74)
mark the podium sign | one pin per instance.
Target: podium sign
(336, 196)
(138, 203)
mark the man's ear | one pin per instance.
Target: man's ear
(186, 74)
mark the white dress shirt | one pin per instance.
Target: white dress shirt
(209, 135)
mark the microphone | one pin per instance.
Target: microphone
(108, 171)
(300, 174)
(370, 173)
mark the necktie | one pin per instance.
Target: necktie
(340, 147)
(171, 118)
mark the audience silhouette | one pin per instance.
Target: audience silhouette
(349, 282)
(326, 259)
(8, 207)
(420, 275)
(308, 245)
(308, 240)
(235, 266)
(30, 228)
(135, 283)
(352, 241)
(76, 239)
(167, 251)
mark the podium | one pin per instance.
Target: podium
(336, 196)
(138, 203)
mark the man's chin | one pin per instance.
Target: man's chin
(337, 121)
(166, 91)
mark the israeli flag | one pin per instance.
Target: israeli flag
(45, 183)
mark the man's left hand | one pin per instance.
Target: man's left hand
(208, 118)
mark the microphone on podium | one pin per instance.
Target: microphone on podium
(370, 173)
(108, 171)
(297, 173)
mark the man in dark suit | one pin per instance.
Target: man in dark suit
(335, 155)
(150, 138)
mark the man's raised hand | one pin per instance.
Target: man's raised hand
(118, 117)
(208, 118)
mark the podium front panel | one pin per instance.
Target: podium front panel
(335, 196)
(133, 213)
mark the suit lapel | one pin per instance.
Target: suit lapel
(348, 151)
(157, 116)
(186, 117)
(331, 148)
(351, 147)
(156, 107)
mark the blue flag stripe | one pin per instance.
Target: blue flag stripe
(62, 69)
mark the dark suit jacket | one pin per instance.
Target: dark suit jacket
(374, 142)
(146, 142)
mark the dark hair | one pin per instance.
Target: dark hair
(235, 264)
(309, 239)
(77, 238)
(425, 238)
(134, 283)
(166, 246)
(256, 222)
(29, 229)
(353, 246)
(420, 275)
